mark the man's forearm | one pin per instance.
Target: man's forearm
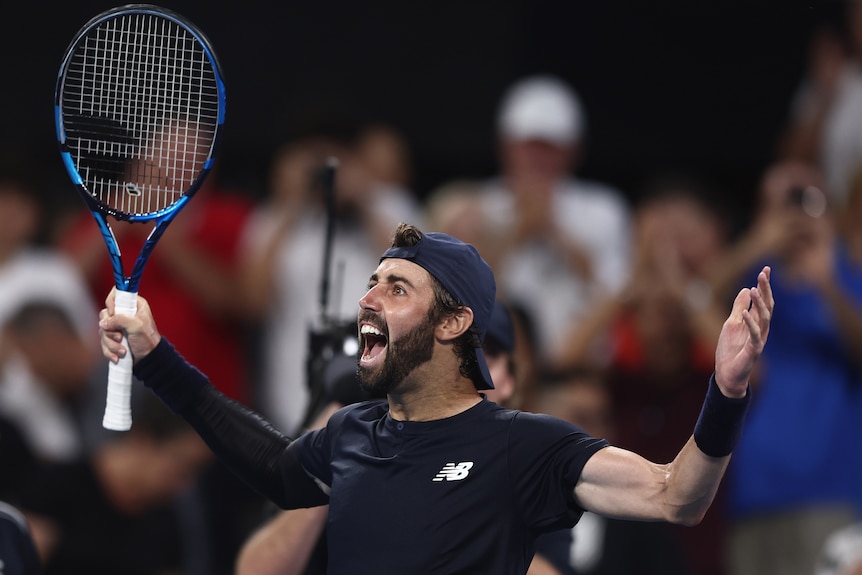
(240, 438)
(283, 545)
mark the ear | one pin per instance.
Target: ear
(452, 326)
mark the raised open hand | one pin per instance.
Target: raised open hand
(743, 336)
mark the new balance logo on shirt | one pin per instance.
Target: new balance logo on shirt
(454, 472)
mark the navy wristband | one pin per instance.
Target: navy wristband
(719, 425)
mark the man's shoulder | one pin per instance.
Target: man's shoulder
(530, 427)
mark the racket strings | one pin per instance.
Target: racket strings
(140, 104)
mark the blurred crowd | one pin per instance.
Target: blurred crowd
(616, 296)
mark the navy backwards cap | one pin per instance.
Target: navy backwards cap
(464, 274)
(501, 330)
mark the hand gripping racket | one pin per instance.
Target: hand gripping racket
(139, 107)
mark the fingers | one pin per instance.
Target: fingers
(112, 329)
(762, 300)
(741, 303)
(111, 322)
(758, 314)
(765, 288)
(124, 334)
(109, 301)
(109, 312)
(755, 333)
(110, 335)
(112, 349)
(112, 344)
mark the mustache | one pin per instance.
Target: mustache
(366, 316)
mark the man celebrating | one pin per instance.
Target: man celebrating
(436, 479)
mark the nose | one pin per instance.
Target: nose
(370, 299)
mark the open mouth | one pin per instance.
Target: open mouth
(373, 342)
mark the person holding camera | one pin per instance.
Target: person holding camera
(797, 472)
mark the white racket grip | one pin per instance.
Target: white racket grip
(118, 404)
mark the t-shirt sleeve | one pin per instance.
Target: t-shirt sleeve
(315, 448)
(319, 448)
(312, 448)
(546, 457)
(302, 488)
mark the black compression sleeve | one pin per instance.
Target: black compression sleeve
(252, 448)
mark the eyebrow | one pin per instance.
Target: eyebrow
(392, 278)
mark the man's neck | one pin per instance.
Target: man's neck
(433, 401)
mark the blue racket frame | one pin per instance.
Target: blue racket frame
(101, 211)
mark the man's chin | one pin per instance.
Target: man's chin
(370, 382)
(367, 379)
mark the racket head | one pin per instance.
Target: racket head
(139, 110)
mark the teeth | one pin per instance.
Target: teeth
(366, 329)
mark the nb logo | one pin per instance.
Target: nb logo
(454, 472)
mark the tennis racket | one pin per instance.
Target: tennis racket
(139, 106)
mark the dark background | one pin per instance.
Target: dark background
(695, 85)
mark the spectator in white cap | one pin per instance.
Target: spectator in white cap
(542, 108)
(572, 233)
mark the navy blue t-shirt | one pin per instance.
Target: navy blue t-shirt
(466, 494)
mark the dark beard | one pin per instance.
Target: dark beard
(402, 356)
